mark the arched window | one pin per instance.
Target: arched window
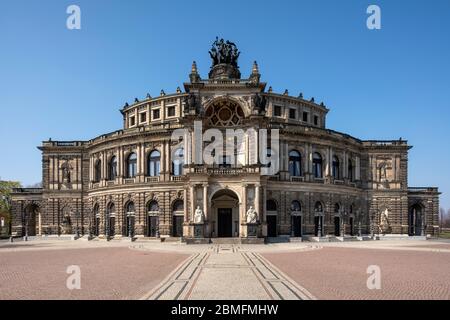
(112, 168)
(271, 205)
(335, 168)
(153, 206)
(317, 165)
(337, 208)
(98, 171)
(96, 220)
(350, 170)
(351, 209)
(153, 163)
(318, 207)
(178, 162)
(295, 166)
(296, 206)
(128, 228)
(111, 209)
(132, 165)
(178, 205)
(130, 207)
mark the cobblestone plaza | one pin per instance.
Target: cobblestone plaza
(293, 271)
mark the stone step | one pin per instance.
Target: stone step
(316, 239)
(226, 240)
(147, 239)
(171, 239)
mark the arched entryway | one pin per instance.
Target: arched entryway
(30, 216)
(95, 222)
(296, 214)
(153, 219)
(415, 220)
(110, 220)
(337, 220)
(318, 219)
(225, 214)
(177, 218)
(271, 216)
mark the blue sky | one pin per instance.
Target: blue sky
(70, 84)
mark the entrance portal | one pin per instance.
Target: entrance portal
(225, 214)
(271, 226)
(415, 220)
(297, 226)
(224, 222)
(337, 226)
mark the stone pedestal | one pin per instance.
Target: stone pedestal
(251, 230)
(199, 230)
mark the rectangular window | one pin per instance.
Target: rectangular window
(132, 121)
(305, 116)
(171, 111)
(292, 114)
(316, 120)
(143, 117)
(156, 114)
(277, 111)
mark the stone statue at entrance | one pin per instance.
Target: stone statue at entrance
(198, 215)
(384, 222)
(251, 215)
(66, 224)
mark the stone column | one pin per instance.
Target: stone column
(168, 161)
(358, 169)
(205, 211)
(39, 224)
(163, 157)
(185, 204)
(191, 190)
(257, 206)
(263, 216)
(244, 203)
(205, 201)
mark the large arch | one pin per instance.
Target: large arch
(177, 218)
(31, 225)
(224, 112)
(416, 220)
(225, 213)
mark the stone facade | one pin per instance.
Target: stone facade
(130, 183)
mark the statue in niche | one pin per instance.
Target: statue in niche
(384, 222)
(198, 215)
(66, 224)
(251, 215)
(66, 172)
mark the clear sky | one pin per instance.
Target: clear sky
(379, 84)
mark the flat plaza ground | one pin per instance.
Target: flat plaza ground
(152, 270)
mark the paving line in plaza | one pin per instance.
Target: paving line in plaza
(248, 275)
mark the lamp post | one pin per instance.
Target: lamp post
(26, 225)
(422, 227)
(319, 231)
(372, 227)
(77, 216)
(107, 225)
(90, 225)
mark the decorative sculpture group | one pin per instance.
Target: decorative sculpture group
(260, 104)
(224, 52)
(191, 104)
(199, 217)
(252, 216)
